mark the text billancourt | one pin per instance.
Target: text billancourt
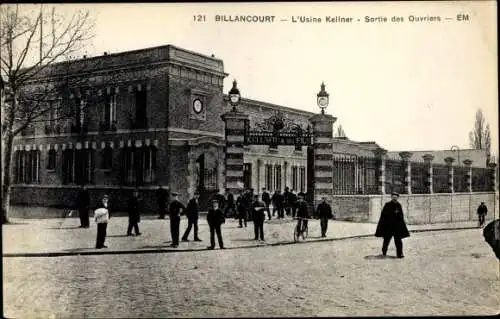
(243, 18)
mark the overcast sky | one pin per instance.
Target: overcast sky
(406, 86)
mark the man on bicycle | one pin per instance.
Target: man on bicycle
(302, 214)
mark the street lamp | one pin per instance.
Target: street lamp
(455, 148)
(234, 96)
(323, 98)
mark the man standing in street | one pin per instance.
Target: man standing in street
(259, 216)
(392, 224)
(134, 213)
(192, 214)
(242, 207)
(101, 217)
(230, 205)
(266, 199)
(482, 211)
(83, 202)
(215, 219)
(324, 212)
(277, 200)
(161, 197)
(220, 198)
(175, 210)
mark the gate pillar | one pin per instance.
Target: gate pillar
(235, 124)
(322, 125)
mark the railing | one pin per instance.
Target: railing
(481, 179)
(355, 175)
(419, 178)
(460, 179)
(395, 176)
(440, 178)
(207, 180)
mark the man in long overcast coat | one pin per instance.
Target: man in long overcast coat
(392, 224)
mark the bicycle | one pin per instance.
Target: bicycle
(302, 232)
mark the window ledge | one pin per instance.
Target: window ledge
(51, 170)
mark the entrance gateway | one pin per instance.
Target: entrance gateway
(318, 137)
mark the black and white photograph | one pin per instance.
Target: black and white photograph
(250, 159)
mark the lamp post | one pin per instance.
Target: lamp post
(455, 148)
(234, 96)
(323, 98)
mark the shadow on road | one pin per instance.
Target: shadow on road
(116, 236)
(243, 239)
(370, 257)
(64, 228)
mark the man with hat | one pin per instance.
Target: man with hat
(215, 219)
(175, 210)
(192, 214)
(134, 210)
(324, 212)
(258, 216)
(392, 224)
(482, 210)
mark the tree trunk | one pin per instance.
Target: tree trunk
(6, 172)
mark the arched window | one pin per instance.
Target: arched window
(51, 160)
(28, 167)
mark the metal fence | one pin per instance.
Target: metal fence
(355, 175)
(481, 179)
(440, 178)
(460, 179)
(419, 178)
(394, 176)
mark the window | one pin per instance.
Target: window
(277, 176)
(247, 175)
(302, 179)
(68, 166)
(141, 120)
(107, 158)
(51, 160)
(53, 112)
(28, 167)
(269, 177)
(78, 166)
(138, 165)
(109, 116)
(295, 183)
(79, 118)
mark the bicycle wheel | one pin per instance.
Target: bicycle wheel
(296, 234)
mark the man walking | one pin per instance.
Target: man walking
(266, 199)
(482, 211)
(242, 207)
(161, 198)
(192, 214)
(259, 216)
(392, 224)
(134, 213)
(83, 202)
(175, 210)
(324, 212)
(215, 219)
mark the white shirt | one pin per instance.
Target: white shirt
(101, 215)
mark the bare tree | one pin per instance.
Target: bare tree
(340, 132)
(36, 50)
(480, 136)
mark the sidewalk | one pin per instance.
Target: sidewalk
(59, 237)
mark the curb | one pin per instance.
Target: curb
(167, 250)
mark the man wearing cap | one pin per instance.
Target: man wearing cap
(175, 210)
(324, 212)
(83, 202)
(101, 217)
(482, 210)
(134, 213)
(392, 224)
(266, 199)
(192, 214)
(215, 219)
(162, 200)
(242, 207)
(259, 216)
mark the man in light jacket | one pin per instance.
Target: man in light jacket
(101, 217)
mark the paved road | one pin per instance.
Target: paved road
(444, 273)
(63, 235)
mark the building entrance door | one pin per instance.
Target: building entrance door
(247, 175)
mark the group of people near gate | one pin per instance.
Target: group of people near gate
(247, 206)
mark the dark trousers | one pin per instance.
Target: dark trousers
(174, 230)
(132, 224)
(191, 222)
(481, 218)
(84, 217)
(268, 211)
(213, 230)
(258, 228)
(397, 241)
(101, 234)
(280, 210)
(242, 218)
(161, 209)
(301, 225)
(324, 226)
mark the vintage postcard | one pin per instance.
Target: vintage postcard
(250, 159)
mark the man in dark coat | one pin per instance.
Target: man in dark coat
(259, 216)
(293, 199)
(302, 213)
(287, 201)
(215, 219)
(392, 224)
(230, 205)
(220, 198)
(242, 208)
(175, 210)
(482, 211)
(161, 198)
(277, 200)
(324, 212)
(266, 199)
(134, 213)
(491, 235)
(192, 214)
(83, 203)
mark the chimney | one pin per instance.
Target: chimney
(105, 53)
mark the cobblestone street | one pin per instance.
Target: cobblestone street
(444, 273)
